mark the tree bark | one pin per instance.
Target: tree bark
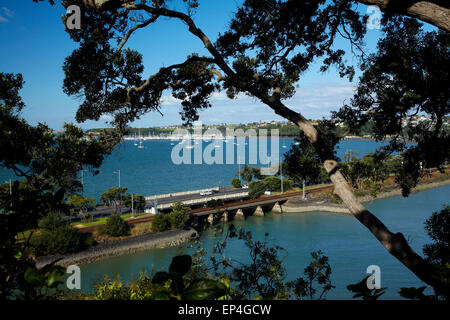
(433, 12)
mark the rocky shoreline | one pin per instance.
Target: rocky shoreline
(298, 205)
(115, 248)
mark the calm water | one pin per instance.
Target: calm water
(151, 171)
(343, 239)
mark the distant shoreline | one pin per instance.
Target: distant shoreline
(342, 209)
(209, 138)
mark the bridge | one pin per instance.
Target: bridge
(255, 207)
(237, 210)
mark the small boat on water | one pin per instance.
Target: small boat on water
(140, 140)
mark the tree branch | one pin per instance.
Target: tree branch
(166, 70)
(427, 11)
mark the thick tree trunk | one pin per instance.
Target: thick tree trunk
(433, 12)
(394, 243)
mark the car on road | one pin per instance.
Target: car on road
(245, 186)
(206, 193)
(268, 192)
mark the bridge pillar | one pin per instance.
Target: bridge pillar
(224, 217)
(239, 215)
(210, 219)
(259, 212)
(277, 208)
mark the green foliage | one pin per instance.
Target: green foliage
(263, 275)
(81, 203)
(171, 285)
(415, 294)
(236, 182)
(303, 162)
(161, 222)
(43, 284)
(138, 201)
(246, 173)
(272, 183)
(113, 197)
(437, 253)
(402, 79)
(318, 273)
(438, 229)
(256, 189)
(58, 237)
(368, 172)
(287, 184)
(115, 227)
(361, 290)
(178, 216)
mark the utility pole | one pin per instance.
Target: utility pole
(118, 172)
(132, 205)
(239, 170)
(281, 174)
(82, 180)
(303, 189)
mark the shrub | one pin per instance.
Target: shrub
(178, 216)
(115, 227)
(287, 184)
(160, 222)
(256, 189)
(58, 237)
(273, 183)
(236, 183)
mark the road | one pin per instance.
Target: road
(222, 192)
(104, 211)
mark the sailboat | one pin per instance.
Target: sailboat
(140, 140)
(135, 143)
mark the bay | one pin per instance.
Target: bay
(349, 245)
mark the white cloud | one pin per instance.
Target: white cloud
(314, 101)
(3, 19)
(8, 12)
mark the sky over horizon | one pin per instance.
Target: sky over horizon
(34, 43)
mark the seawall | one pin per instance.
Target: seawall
(121, 247)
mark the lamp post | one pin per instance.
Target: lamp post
(303, 182)
(132, 205)
(118, 172)
(82, 179)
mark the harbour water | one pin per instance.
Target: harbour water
(349, 245)
(150, 170)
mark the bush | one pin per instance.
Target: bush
(115, 227)
(256, 189)
(273, 183)
(178, 216)
(58, 237)
(160, 222)
(287, 184)
(236, 183)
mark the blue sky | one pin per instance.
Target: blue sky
(34, 43)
